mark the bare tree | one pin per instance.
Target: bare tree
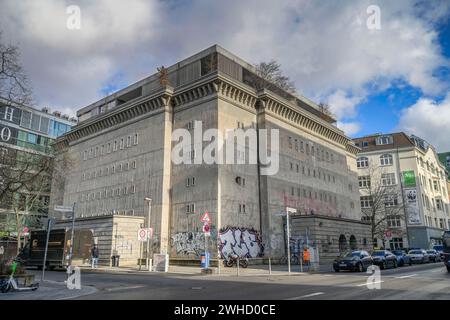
(382, 201)
(325, 108)
(24, 187)
(14, 85)
(271, 72)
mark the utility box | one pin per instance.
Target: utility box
(161, 262)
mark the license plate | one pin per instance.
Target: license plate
(343, 264)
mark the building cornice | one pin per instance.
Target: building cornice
(224, 87)
(129, 110)
(285, 110)
(351, 148)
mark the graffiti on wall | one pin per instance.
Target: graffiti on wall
(189, 243)
(241, 241)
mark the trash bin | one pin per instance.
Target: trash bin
(115, 261)
(204, 260)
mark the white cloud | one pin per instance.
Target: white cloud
(324, 46)
(429, 120)
(342, 105)
(350, 128)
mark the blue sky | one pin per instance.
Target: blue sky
(393, 78)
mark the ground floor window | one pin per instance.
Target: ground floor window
(396, 243)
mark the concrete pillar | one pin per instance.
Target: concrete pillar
(166, 183)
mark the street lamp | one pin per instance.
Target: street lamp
(147, 261)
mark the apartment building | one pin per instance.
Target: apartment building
(411, 166)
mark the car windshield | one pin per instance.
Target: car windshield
(415, 252)
(438, 248)
(431, 251)
(378, 253)
(397, 252)
(352, 254)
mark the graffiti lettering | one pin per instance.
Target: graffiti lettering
(189, 243)
(241, 241)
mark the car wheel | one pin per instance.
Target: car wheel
(395, 264)
(402, 263)
(448, 269)
(360, 267)
(336, 270)
(382, 266)
(410, 262)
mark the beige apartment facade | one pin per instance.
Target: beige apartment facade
(411, 166)
(122, 153)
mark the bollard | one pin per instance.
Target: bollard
(270, 267)
(218, 266)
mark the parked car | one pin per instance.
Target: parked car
(434, 255)
(446, 244)
(402, 257)
(419, 256)
(440, 249)
(353, 261)
(384, 259)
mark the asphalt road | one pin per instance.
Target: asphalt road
(429, 281)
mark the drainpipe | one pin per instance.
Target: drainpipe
(259, 168)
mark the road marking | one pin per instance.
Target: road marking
(438, 270)
(123, 288)
(307, 296)
(371, 283)
(407, 276)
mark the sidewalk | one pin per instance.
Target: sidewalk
(49, 290)
(252, 270)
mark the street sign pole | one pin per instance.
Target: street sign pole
(288, 242)
(71, 236)
(288, 232)
(49, 227)
(147, 260)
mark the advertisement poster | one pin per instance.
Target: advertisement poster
(412, 206)
(409, 178)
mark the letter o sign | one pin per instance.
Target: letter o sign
(5, 134)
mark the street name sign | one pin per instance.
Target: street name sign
(63, 209)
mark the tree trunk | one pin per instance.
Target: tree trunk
(18, 227)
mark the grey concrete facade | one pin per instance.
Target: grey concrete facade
(331, 235)
(317, 173)
(114, 235)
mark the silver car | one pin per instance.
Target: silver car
(419, 256)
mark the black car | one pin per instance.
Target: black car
(384, 259)
(434, 255)
(353, 261)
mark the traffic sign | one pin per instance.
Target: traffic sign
(142, 234)
(205, 217)
(63, 209)
(291, 210)
(206, 229)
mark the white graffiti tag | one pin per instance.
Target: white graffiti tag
(240, 241)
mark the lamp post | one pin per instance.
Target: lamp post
(147, 261)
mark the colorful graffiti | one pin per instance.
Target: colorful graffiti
(189, 243)
(241, 241)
